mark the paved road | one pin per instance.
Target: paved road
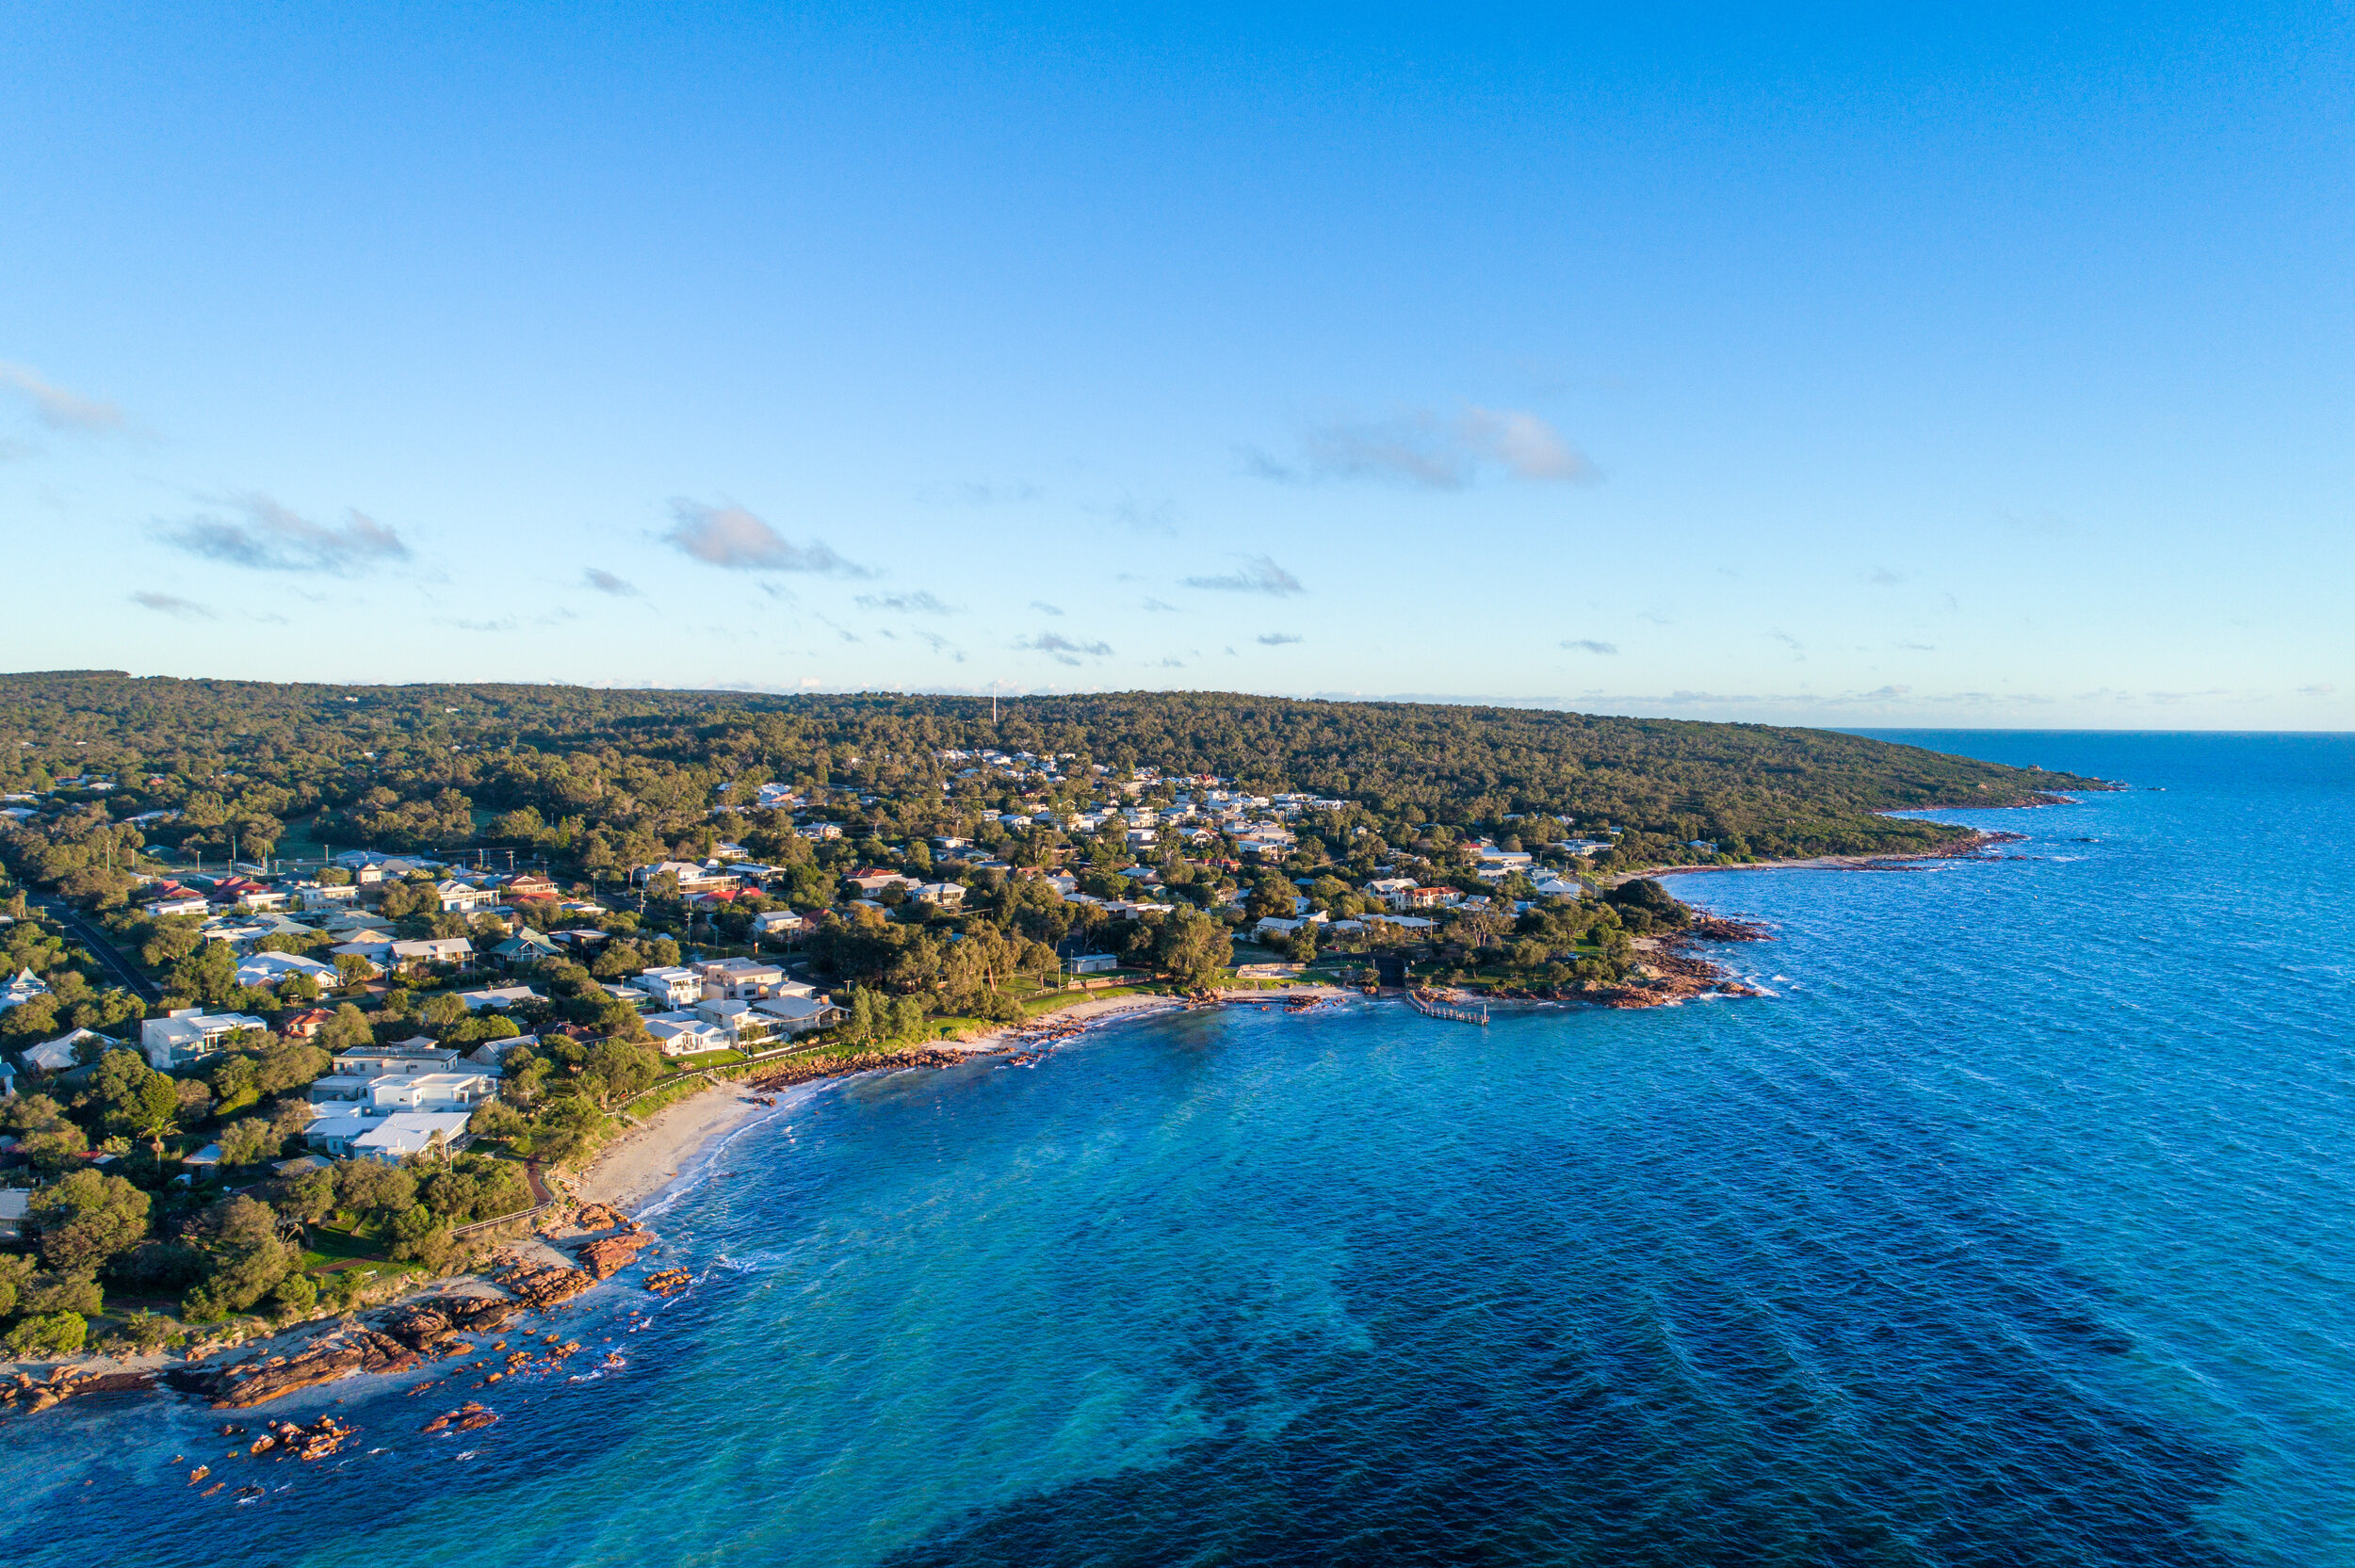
(125, 973)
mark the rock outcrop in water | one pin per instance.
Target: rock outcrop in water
(540, 1285)
(356, 1348)
(25, 1393)
(423, 1325)
(602, 1258)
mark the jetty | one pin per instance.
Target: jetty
(1432, 1007)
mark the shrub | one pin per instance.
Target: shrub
(51, 1336)
(293, 1296)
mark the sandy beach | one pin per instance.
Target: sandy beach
(649, 1157)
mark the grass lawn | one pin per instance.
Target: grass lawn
(722, 1057)
(332, 1250)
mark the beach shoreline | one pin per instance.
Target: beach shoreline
(641, 1165)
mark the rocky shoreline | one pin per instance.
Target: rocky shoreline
(445, 1322)
(442, 1321)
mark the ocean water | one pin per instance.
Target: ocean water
(2013, 1227)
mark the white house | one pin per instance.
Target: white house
(376, 1061)
(731, 1017)
(691, 877)
(499, 996)
(15, 1208)
(187, 1034)
(797, 1014)
(23, 989)
(190, 903)
(429, 1092)
(683, 1034)
(1094, 963)
(739, 979)
(390, 1138)
(946, 894)
(459, 898)
(318, 898)
(670, 984)
(245, 934)
(349, 1112)
(432, 949)
(781, 923)
(271, 969)
(64, 1054)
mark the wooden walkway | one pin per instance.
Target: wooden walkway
(1443, 1010)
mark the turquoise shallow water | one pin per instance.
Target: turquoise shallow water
(2012, 1228)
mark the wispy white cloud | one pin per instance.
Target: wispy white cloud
(1588, 645)
(267, 536)
(606, 582)
(59, 409)
(940, 644)
(919, 603)
(1044, 608)
(1430, 451)
(1062, 649)
(1258, 575)
(1526, 445)
(733, 539)
(1144, 517)
(170, 604)
(1277, 639)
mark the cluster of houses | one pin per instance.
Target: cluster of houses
(400, 1100)
(391, 1102)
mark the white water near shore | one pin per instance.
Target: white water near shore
(642, 1170)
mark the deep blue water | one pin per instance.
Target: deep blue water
(2013, 1228)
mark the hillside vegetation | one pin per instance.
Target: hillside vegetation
(625, 772)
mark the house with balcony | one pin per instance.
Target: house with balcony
(191, 1034)
(457, 897)
(739, 979)
(669, 984)
(797, 1014)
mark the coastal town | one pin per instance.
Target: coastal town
(315, 1001)
(245, 1091)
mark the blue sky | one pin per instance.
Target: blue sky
(1985, 367)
